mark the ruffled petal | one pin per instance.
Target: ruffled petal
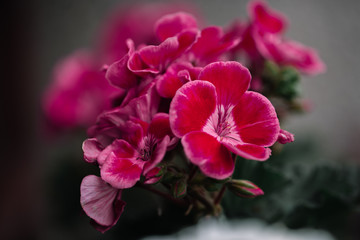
(256, 120)
(172, 24)
(101, 202)
(91, 148)
(250, 151)
(191, 106)
(265, 18)
(119, 75)
(231, 80)
(211, 44)
(120, 148)
(160, 126)
(121, 172)
(170, 82)
(154, 59)
(205, 151)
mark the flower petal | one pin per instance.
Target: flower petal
(256, 120)
(265, 18)
(205, 151)
(211, 44)
(121, 172)
(160, 126)
(101, 202)
(170, 82)
(250, 151)
(172, 24)
(157, 155)
(231, 80)
(91, 148)
(120, 148)
(119, 75)
(285, 137)
(191, 106)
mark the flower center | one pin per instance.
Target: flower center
(221, 124)
(149, 145)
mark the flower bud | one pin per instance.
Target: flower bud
(244, 188)
(179, 188)
(285, 137)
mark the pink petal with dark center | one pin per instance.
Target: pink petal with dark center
(121, 172)
(267, 19)
(191, 106)
(91, 148)
(101, 202)
(205, 151)
(157, 155)
(172, 24)
(256, 120)
(250, 151)
(231, 80)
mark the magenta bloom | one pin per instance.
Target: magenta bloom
(78, 93)
(217, 116)
(101, 202)
(126, 161)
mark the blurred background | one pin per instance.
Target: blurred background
(41, 172)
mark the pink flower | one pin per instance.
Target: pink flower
(177, 74)
(101, 202)
(265, 18)
(117, 124)
(285, 52)
(137, 23)
(217, 116)
(78, 93)
(126, 161)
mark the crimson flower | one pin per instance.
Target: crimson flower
(216, 116)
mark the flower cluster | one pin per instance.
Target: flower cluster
(186, 108)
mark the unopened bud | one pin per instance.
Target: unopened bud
(179, 188)
(244, 188)
(285, 137)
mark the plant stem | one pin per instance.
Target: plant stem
(220, 195)
(162, 194)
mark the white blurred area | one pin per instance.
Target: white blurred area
(212, 229)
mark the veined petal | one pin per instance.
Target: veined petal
(205, 151)
(101, 202)
(119, 148)
(157, 155)
(172, 24)
(91, 148)
(121, 172)
(250, 151)
(256, 120)
(231, 80)
(191, 106)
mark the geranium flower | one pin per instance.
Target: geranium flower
(216, 115)
(101, 202)
(127, 161)
(78, 93)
